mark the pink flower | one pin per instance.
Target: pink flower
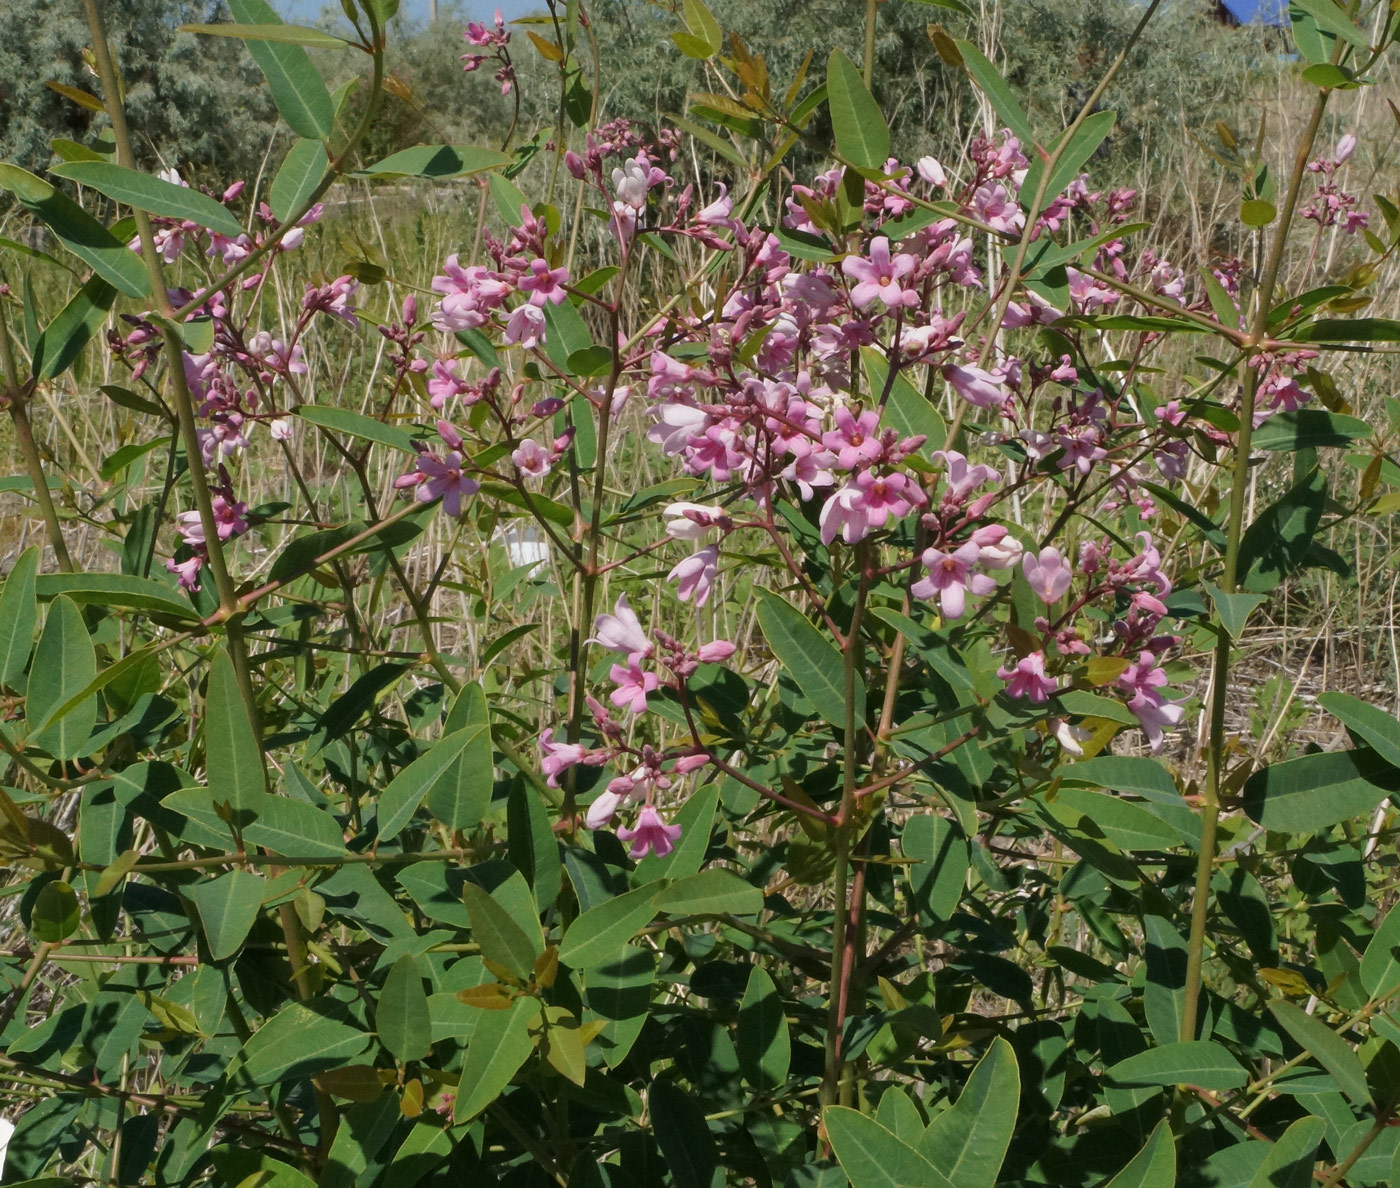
(866, 504)
(651, 835)
(621, 631)
(854, 441)
(931, 171)
(445, 384)
(558, 757)
(1154, 714)
(961, 478)
(1049, 574)
(187, 571)
(1028, 679)
(995, 207)
(692, 521)
(878, 276)
(951, 576)
(545, 285)
(715, 652)
(532, 459)
(696, 575)
(718, 213)
(1345, 147)
(1081, 450)
(997, 548)
(633, 685)
(976, 386)
(526, 327)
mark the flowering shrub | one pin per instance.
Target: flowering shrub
(859, 815)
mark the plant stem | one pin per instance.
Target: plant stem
(1220, 678)
(845, 830)
(18, 404)
(871, 8)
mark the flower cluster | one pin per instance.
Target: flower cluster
(496, 40)
(651, 772)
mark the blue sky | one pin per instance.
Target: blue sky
(307, 10)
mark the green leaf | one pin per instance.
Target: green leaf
(508, 198)
(64, 663)
(1077, 151)
(1332, 19)
(501, 938)
(810, 658)
(1380, 965)
(299, 1042)
(1317, 791)
(56, 914)
(460, 796)
(597, 934)
(1122, 773)
(401, 1012)
(862, 136)
(112, 590)
(1308, 429)
(65, 337)
(1189, 1062)
(283, 34)
(703, 27)
(296, 87)
(400, 800)
(438, 162)
(152, 194)
(938, 875)
(716, 891)
(78, 231)
(500, 1044)
(684, 1137)
(1349, 330)
(1330, 1049)
(999, 95)
(19, 615)
(906, 410)
(228, 908)
(233, 755)
(294, 828)
(1233, 609)
(1368, 723)
(968, 1142)
(761, 1038)
(1152, 1167)
(872, 1157)
(1125, 824)
(1289, 1163)
(302, 170)
(1278, 541)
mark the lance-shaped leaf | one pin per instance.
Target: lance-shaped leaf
(64, 664)
(19, 615)
(862, 137)
(152, 194)
(401, 1013)
(761, 1040)
(1189, 1062)
(1330, 1049)
(78, 231)
(302, 170)
(872, 1157)
(228, 908)
(439, 162)
(811, 659)
(296, 87)
(283, 34)
(63, 339)
(968, 1142)
(999, 95)
(501, 938)
(500, 1044)
(400, 800)
(598, 934)
(299, 1042)
(1152, 1167)
(1289, 1163)
(1369, 724)
(233, 754)
(1316, 791)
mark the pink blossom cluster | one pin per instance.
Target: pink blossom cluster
(496, 40)
(1331, 205)
(649, 772)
